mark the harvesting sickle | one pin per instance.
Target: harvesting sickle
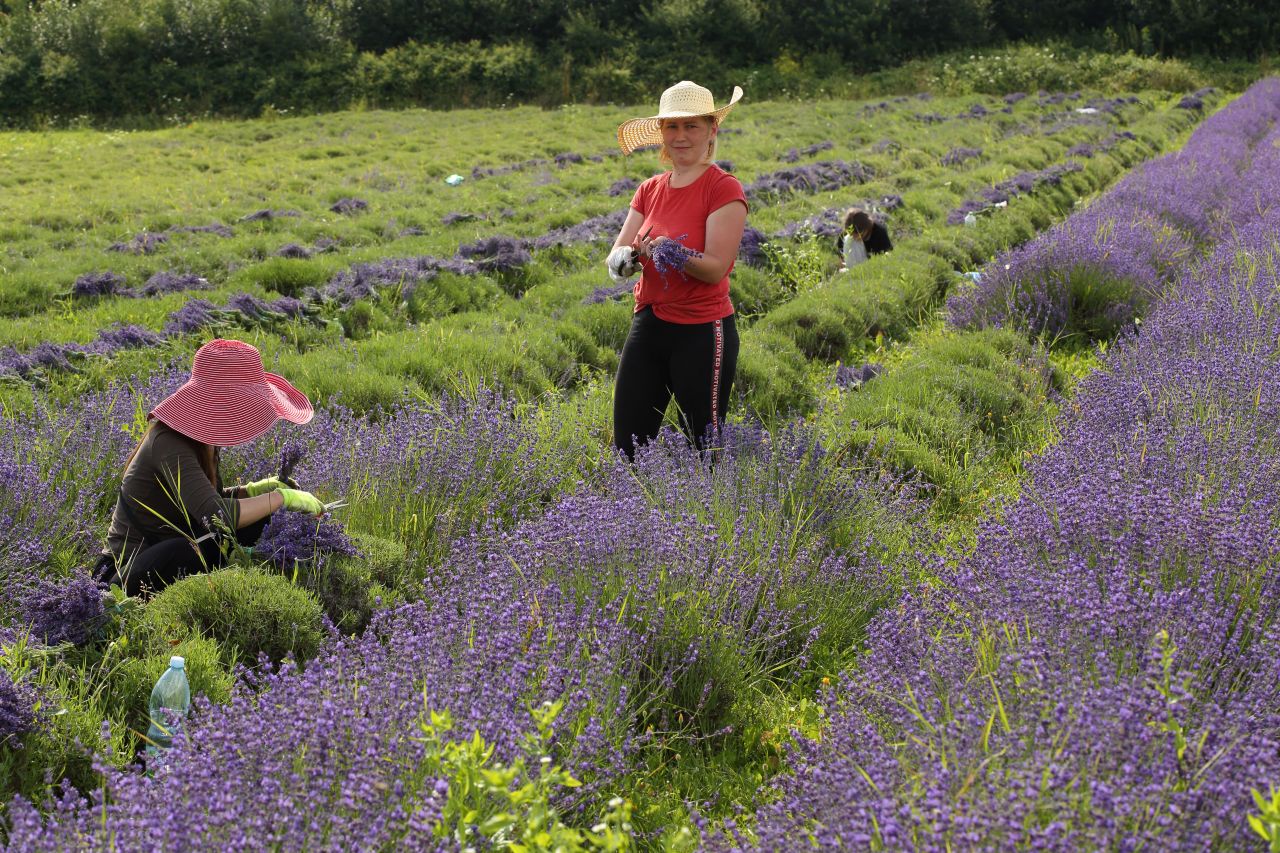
(683, 341)
(172, 504)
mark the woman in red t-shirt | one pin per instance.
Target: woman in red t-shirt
(682, 233)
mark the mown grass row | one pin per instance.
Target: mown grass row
(475, 327)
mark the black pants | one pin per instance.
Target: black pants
(694, 362)
(156, 566)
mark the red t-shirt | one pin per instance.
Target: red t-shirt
(676, 212)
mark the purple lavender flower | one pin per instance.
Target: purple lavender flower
(623, 186)
(828, 223)
(956, 156)
(849, 377)
(216, 228)
(293, 250)
(607, 293)
(144, 243)
(496, 254)
(256, 310)
(298, 537)
(99, 284)
(17, 708)
(194, 316)
(596, 228)
(347, 206)
(671, 255)
(454, 217)
(751, 249)
(267, 214)
(125, 336)
(567, 158)
(171, 282)
(63, 611)
(810, 178)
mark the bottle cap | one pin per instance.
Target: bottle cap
(177, 663)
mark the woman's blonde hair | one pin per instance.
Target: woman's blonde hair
(664, 157)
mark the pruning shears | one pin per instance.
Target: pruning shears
(635, 253)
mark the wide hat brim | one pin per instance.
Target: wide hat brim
(639, 132)
(230, 413)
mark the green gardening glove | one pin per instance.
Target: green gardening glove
(300, 501)
(261, 487)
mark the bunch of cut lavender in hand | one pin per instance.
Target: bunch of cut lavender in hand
(297, 536)
(671, 255)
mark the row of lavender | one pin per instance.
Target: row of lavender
(1100, 672)
(493, 255)
(577, 590)
(1138, 236)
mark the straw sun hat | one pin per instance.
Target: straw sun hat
(230, 399)
(682, 100)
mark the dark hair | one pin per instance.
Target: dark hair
(206, 453)
(857, 218)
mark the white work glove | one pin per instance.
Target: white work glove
(622, 264)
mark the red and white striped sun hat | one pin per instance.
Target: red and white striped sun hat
(229, 398)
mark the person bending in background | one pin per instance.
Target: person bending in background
(682, 234)
(162, 528)
(861, 238)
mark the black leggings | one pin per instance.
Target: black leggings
(694, 361)
(156, 566)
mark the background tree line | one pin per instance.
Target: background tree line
(115, 59)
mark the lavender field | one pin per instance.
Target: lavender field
(985, 560)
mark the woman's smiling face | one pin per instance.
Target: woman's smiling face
(688, 140)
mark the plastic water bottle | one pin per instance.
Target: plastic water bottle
(170, 699)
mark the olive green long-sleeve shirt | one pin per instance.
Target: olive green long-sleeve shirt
(169, 494)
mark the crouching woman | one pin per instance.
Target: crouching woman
(172, 501)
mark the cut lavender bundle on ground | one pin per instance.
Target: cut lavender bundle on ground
(347, 206)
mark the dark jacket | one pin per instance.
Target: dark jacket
(165, 479)
(878, 243)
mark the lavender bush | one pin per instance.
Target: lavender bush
(17, 708)
(63, 611)
(1100, 671)
(1109, 262)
